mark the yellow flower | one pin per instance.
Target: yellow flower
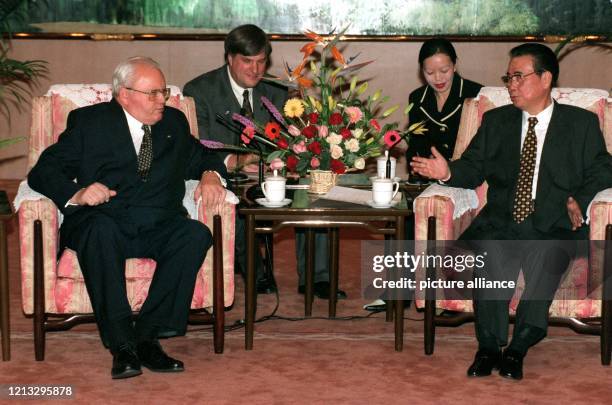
(294, 108)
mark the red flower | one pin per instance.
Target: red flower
(310, 131)
(291, 163)
(282, 143)
(247, 134)
(337, 166)
(272, 130)
(315, 148)
(391, 137)
(313, 118)
(346, 133)
(335, 119)
(374, 124)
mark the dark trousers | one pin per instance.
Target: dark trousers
(508, 251)
(321, 255)
(178, 245)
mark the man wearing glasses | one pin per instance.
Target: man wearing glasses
(544, 162)
(117, 173)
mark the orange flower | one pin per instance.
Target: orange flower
(296, 75)
(338, 56)
(272, 130)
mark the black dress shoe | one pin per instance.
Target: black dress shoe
(512, 365)
(484, 363)
(125, 363)
(266, 286)
(155, 359)
(321, 290)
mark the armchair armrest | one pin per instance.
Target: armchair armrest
(453, 208)
(30, 211)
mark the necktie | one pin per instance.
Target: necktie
(523, 203)
(145, 156)
(247, 111)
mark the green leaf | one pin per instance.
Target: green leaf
(390, 111)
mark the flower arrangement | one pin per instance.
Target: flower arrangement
(330, 126)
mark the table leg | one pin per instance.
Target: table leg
(4, 291)
(333, 270)
(399, 302)
(309, 276)
(389, 307)
(250, 292)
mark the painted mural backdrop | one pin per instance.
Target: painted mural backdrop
(371, 17)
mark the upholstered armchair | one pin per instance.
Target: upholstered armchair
(443, 213)
(53, 290)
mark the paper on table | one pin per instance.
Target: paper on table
(353, 195)
(347, 194)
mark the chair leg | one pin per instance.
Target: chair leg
(39, 294)
(606, 303)
(218, 294)
(430, 294)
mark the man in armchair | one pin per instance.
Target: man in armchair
(543, 162)
(117, 174)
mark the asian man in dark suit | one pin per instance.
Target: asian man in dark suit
(237, 87)
(544, 162)
(117, 174)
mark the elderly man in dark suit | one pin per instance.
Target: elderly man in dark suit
(117, 174)
(543, 162)
(237, 87)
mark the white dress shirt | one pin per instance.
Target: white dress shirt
(540, 129)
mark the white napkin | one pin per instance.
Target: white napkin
(463, 199)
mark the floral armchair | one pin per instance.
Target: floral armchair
(443, 213)
(53, 290)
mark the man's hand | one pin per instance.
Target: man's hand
(210, 190)
(434, 168)
(94, 194)
(247, 163)
(575, 213)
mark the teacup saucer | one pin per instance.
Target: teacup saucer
(374, 205)
(269, 204)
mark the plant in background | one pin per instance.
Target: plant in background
(331, 125)
(17, 78)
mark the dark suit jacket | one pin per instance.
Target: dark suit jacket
(97, 147)
(212, 93)
(442, 126)
(574, 163)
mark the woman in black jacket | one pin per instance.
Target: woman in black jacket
(440, 101)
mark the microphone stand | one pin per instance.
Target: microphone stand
(255, 190)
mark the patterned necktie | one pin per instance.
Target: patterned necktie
(247, 111)
(523, 203)
(145, 156)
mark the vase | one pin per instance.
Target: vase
(321, 181)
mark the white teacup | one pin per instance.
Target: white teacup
(274, 188)
(384, 190)
(381, 167)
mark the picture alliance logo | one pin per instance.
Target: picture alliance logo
(410, 262)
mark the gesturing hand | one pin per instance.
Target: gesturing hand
(94, 194)
(435, 167)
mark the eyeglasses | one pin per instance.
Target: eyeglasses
(165, 93)
(516, 77)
